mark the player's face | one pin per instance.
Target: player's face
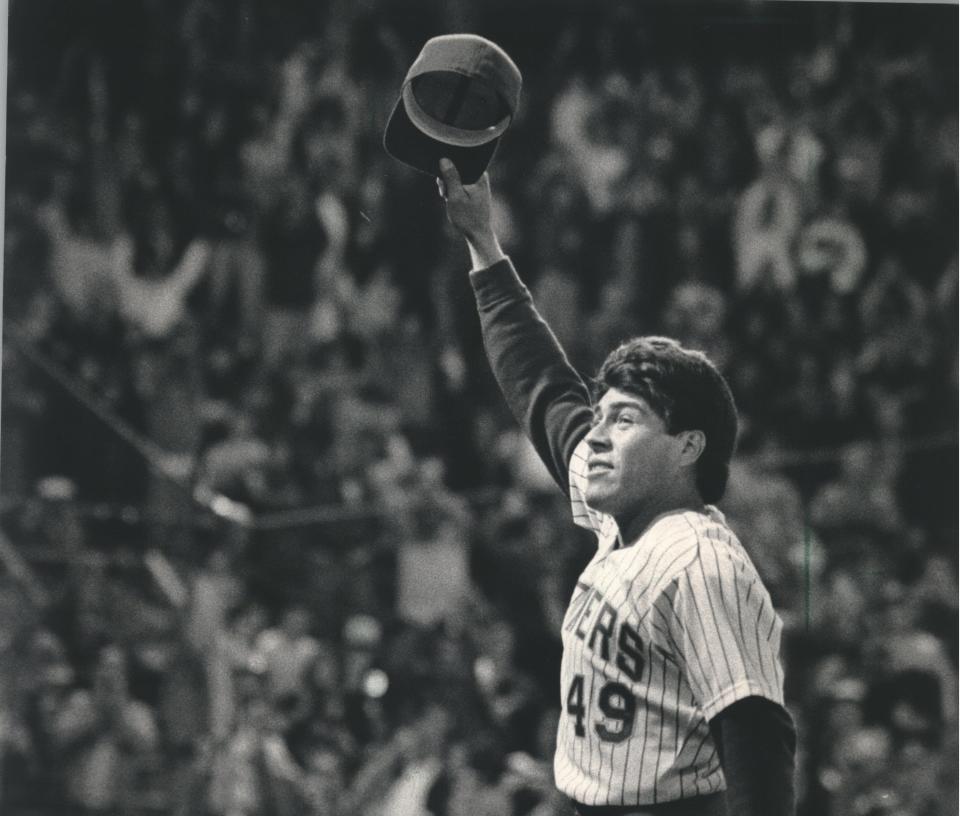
(633, 460)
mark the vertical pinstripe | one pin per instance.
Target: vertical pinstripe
(692, 629)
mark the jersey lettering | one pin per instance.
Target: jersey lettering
(605, 628)
(585, 613)
(604, 625)
(577, 604)
(629, 654)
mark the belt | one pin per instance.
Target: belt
(711, 805)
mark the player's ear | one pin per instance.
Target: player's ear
(692, 445)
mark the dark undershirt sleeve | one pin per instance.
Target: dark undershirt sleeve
(546, 395)
(756, 740)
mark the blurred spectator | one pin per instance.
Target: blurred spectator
(293, 240)
(831, 245)
(894, 311)
(215, 591)
(80, 261)
(473, 780)
(104, 738)
(844, 502)
(152, 282)
(767, 219)
(417, 763)
(252, 770)
(432, 557)
(232, 655)
(696, 315)
(288, 652)
(236, 285)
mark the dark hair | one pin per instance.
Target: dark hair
(687, 392)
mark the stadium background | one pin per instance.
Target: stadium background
(270, 543)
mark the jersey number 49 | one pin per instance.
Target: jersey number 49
(618, 705)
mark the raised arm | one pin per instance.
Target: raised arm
(546, 395)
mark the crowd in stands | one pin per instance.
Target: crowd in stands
(270, 542)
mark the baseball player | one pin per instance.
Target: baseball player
(671, 683)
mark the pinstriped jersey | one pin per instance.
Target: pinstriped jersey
(659, 637)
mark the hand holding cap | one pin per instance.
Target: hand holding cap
(470, 210)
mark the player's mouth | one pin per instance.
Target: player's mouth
(597, 466)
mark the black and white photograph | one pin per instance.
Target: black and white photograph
(504, 408)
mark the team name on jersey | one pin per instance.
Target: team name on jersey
(596, 622)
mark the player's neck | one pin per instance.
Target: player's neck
(632, 527)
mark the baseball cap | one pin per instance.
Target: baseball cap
(457, 100)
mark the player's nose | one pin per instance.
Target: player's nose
(597, 438)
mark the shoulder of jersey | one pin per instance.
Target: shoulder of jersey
(680, 540)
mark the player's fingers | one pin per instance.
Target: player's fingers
(450, 177)
(441, 188)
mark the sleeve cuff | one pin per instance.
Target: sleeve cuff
(744, 688)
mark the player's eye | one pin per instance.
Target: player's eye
(626, 418)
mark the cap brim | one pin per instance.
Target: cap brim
(407, 143)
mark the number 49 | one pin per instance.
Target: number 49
(615, 701)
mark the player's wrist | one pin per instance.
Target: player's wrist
(485, 249)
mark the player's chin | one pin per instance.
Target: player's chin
(598, 497)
